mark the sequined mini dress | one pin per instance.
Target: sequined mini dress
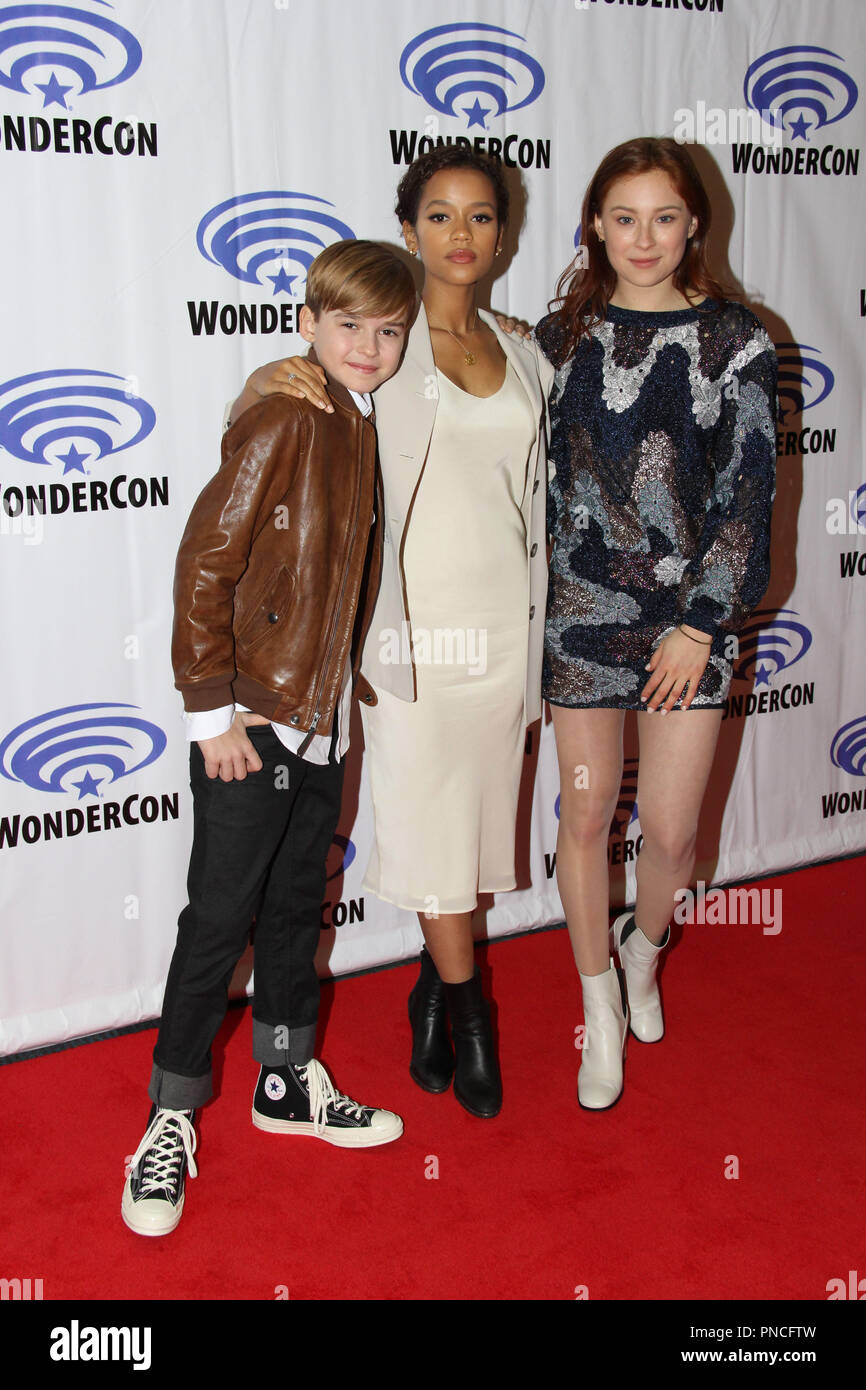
(663, 443)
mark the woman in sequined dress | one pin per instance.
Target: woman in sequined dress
(663, 441)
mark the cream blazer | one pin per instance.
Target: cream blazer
(405, 415)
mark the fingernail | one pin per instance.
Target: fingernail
(664, 711)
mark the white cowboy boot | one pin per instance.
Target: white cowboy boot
(639, 959)
(599, 1081)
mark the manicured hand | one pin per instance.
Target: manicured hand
(294, 376)
(230, 756)
(677, 662)
(510, 325)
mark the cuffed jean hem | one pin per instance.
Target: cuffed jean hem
(297, 1045)
(171, 1091)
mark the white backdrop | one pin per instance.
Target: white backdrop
(168, 170)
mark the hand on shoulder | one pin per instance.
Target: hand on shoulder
(519, 327)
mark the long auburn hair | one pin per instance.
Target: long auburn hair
(583, 293)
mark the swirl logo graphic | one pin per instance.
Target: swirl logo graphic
(38, 41)
(71, 416)
(347, 854)
(247, 234)
(800, 79)
(626, 807)
(453, 62)
(848, 749)
(766, 648)
(61, 750)
(804, 382)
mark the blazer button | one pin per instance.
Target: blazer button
(273, 617)
(532, 611)
(295, 719)
(534, 550)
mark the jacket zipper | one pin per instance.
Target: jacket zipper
(314, 723)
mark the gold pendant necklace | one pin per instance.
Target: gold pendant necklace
(468, 356)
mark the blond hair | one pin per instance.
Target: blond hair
(360, 277)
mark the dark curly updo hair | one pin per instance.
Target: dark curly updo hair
(411, 186)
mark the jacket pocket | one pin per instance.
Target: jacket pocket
(258, 622)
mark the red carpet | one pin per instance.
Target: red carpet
(763, 1060)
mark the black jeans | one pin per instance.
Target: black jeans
(259, 851)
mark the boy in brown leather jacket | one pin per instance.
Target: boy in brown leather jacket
(275, 584)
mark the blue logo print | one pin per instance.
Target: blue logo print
(49, 752)
(347, 854)
(444, 67)
(95, 51)
(804, 382)
(247, 234)
(71, 417)
(858, 507)
(848, 749)
(626, 807)
(799, 79)
(770, 647)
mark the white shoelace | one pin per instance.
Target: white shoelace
(323, 1093)
(168, 1133)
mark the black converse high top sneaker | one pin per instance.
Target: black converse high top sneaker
(152, 1202)
(304, 1100)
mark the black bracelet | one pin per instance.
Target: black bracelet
(694, 639)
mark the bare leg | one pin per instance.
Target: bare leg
(450, 942)
(676, 754)
(589, 749)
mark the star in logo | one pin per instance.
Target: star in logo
(73, 460)
(282, 281)
(763, 674)
(475, 114)
(274, 1086)
(88, 786)
(53, 91)
(799, 129)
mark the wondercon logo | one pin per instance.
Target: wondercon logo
(71, 416)
(40, 41)
(452, 63)
(848, 749)
(347, 854)
(63, 749)
(248, 234)
(626, 812)
(800, 79)
(766, 648)
(804, 382)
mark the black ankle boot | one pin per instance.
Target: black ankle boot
(432, 1064)
(477, 1082)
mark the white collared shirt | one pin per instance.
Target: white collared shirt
(211, 723)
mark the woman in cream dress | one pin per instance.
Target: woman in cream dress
(452, 660)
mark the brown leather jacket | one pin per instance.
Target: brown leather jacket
(280, 562)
